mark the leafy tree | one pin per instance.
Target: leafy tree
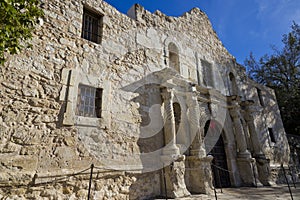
(281, 71)
(17, 20)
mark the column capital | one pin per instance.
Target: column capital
(234, 112)
(192, 98)
(167, 93)
(249, 110)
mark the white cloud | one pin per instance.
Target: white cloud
(278, 10)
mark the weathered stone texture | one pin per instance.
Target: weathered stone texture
(42, 139)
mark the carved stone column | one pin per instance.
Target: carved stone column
(194, 114)
(174, 163)
(251, 126)
(171, 150)
(245, 162)
(262, 163)
(199, 175)
(239, 131)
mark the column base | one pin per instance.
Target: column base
(199, 175)
(174, 177)
(201, 153)
(169, 154)
(263, 168)
(248, 170)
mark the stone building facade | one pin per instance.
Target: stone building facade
(155, 102)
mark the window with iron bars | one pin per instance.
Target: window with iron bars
(89, 101)
(92, 26)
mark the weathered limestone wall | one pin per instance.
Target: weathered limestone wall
(34, 139)
(268, 116)
(40, 135)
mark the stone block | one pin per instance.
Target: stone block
(143, 40)
(20, 163)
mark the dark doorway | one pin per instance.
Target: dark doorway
(219, 167)
(214, 145)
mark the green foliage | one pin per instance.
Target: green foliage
(17, 20)
(281, 71)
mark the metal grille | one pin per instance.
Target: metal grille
(92, 26)
(89, 101)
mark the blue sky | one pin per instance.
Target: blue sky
(242, 25)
